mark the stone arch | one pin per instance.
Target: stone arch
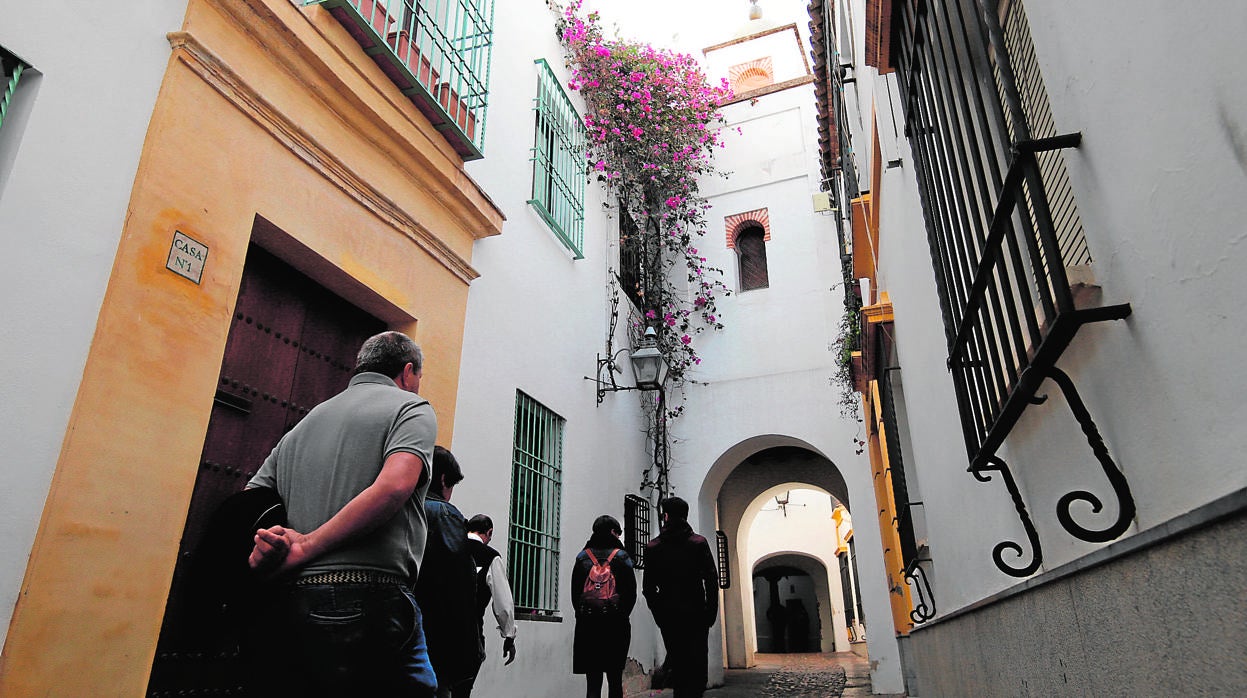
(732, 485)
(735, 223)
(820, 573)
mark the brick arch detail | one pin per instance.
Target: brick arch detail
(740, 221)
(751, 75)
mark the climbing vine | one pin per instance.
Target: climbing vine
(653, 126)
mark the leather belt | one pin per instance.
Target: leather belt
(351, 577)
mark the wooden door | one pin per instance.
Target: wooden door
(292, 345)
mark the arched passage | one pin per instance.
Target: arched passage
(730, 490)
(778, 580)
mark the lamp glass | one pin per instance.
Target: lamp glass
(648, 364)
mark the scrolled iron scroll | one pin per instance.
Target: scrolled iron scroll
(982, 474)
(924, 609)
(1121, 488)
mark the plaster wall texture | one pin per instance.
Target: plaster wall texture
(787, 326)
(1165, 227)
(1109, 631)
(536, 320)
(61, 215)
(1164, 224)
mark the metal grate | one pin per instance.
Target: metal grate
(1008, 313)
(559, 161)
(636, 533)
(751, 247)
(896, 463)
(13, 69)
(725, 570)
(536, 503)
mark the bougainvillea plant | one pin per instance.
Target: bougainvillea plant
(653, 126)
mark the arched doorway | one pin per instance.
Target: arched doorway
(734, 492)
(794, 605)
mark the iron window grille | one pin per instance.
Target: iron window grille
(640, 263)
(558, 161)
(1008, 307)
(896, 462)
(636, 528)
(846, 591)
(725, 570)
(536, 503)
(13, 69)
(437, 52)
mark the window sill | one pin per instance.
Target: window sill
(540, 617)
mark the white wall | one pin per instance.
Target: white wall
(1159, 187)
(536, 320)
(69, 151)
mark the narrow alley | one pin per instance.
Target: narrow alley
(790, 348)
(803, 675)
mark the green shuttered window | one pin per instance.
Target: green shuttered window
(536, 503)
(558, 161)
(12, 73)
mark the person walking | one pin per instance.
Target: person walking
(681, 588)
(352, 476)
(492, 588)
(603, 594)
(446, 591)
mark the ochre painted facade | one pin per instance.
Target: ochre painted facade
(271, 126)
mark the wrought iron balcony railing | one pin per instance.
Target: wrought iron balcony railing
(436, 51)
(988, 187)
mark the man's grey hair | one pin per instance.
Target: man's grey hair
(387, 353)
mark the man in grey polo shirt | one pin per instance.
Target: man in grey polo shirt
(352, 475)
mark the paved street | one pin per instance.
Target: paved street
(795, 676)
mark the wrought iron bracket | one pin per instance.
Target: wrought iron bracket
(1117, 480)
(1121, 488)
(924, 607)
(608, 385)
(983, 474)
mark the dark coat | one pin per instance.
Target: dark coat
(681, 580)
(446, 592)
(602, 636)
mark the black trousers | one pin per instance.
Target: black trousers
(329, 641)
(688, 654)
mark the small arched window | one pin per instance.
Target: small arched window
(751, 249)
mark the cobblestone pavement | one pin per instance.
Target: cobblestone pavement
(806, 680)
(814, 675)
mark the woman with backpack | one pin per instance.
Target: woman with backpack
(603, 594)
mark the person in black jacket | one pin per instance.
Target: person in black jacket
(681, 588)
(603, 630)
(446, 588)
